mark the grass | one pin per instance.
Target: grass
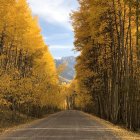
(7, 120)
(119, 131)
(20, 120)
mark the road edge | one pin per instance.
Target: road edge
(28, 123)
(118, 131)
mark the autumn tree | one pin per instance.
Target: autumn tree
(107, 36)
(28, 77)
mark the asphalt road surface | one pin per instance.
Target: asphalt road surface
(66, 125)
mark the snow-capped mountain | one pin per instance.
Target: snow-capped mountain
(69, 71)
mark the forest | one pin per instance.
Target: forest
(107, 81)
(29, 83)
(108, 68)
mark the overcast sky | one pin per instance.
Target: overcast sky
(55, 22)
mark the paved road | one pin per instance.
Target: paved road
(66, 125)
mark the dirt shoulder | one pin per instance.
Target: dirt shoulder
(123, 133)
(24, 123)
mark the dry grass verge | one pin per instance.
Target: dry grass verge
(119, 131)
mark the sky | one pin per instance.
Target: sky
(54, 19)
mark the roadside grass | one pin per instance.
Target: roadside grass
(8, 120)
(118, 131)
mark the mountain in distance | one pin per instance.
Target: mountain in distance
(69, 72)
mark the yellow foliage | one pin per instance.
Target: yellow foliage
(28, 76)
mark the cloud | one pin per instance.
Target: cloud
(52, 47)
(57, 36)
(54, 11)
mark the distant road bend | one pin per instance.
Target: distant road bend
(65, 125)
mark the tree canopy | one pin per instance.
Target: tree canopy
(108, 68)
